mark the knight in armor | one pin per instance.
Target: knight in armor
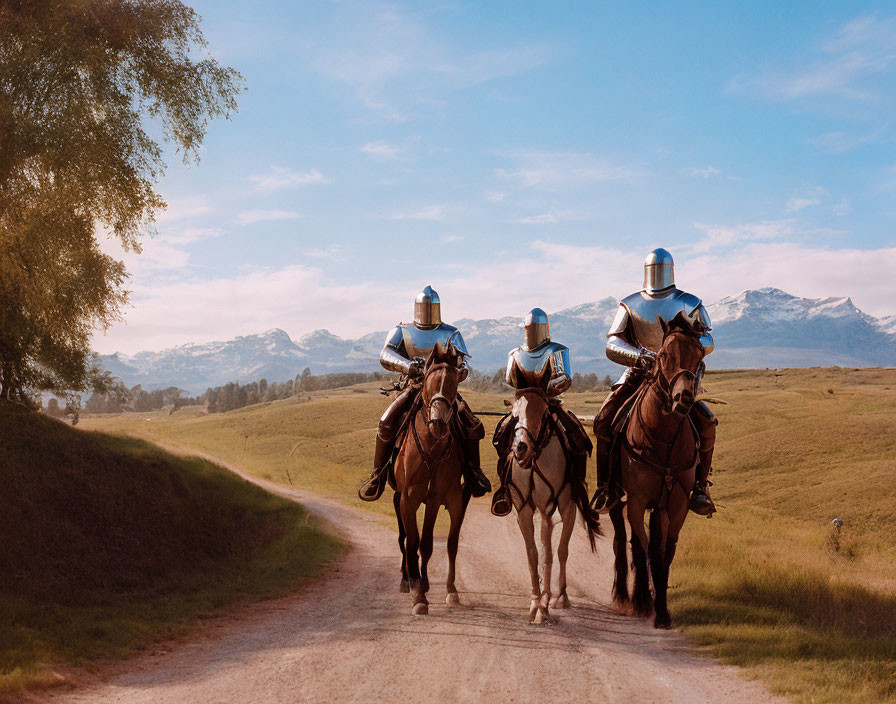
(407, 347)
(540, 363)
(634, 339)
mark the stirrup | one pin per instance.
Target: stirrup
(603, 502)
(373, 488)
(501, 504)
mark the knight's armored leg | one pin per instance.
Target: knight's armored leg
(605, 495)
(501, 502)
(389, 424)
(705, 422)
(474, 431)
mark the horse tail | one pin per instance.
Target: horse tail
(590, 519)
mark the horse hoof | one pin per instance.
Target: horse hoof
(560, 602)
(533, 610)
(404, 587)
(421, 609)
(665, 623)
(541, 615)
(452, 599)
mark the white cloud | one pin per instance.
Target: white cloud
(250, 217)
(794, 205)
(842, 208)
(300, 298)
(845, 66)
(429, 212)
(395, 65)
(715, 236)
(280, 177)
(552, 216)
(562, 170)
(182, 208)
(381, 149)
(702, 172)
(190, 235)
(333, 253)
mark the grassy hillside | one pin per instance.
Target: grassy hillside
(765, 584)
(110, 542)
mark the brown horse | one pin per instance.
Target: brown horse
(539, 482)
(428, 470)
(658, 458)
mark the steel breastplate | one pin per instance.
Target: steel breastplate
(419, 343)
(536, 367)
(643, 310)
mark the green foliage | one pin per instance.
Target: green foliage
(81, 81)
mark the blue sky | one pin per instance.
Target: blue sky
(519, 154)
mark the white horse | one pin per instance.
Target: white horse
(538, 481)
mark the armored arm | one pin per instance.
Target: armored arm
(509, 376)
(392, 356)
(619, 349)
(561, 379)
(702, 317)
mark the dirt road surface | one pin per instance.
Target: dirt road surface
(349, 636)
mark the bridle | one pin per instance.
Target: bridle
(544, 428)
(428, 460)
(663, 384)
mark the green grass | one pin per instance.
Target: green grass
(110, 543)
(759, 585)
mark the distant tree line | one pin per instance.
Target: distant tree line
(220, 399)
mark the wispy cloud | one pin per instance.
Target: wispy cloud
(190, 235)
(562, 170)
(715, 236)
(250, 217)
(183, 208)
(550, 217)
(843, 66)
(381, 149)
(395, 64)
(333, 253)
(702, 171)
(429, 212)
(280, 177)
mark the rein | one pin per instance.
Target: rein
(663, 388)
(545, 433)
(419, 405)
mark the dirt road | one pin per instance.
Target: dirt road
(350, 636)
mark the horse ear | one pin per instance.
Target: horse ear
(663, 324)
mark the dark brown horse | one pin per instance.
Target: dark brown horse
(658, 458)
(428, 470)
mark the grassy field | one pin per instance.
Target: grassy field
(766, 584)
(110, 543)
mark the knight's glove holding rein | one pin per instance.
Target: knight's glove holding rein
(415, 369)
(462, 372)
(646, 358)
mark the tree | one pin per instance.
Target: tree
(80, 83)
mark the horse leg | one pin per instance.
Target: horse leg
(620, 549)
(547, 530)
(568, 516)
(429, 524)
(659, 570)
(403, 587)
(457, 510)
(674, 520)
(642, 602)
(412, 544)
(526, 520)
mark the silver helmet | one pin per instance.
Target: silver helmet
(537, 327)
(659, 271)
(427, 309)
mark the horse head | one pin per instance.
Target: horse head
(441, 375)
(530, 410)
(679, 363)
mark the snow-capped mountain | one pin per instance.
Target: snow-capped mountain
(757, 328)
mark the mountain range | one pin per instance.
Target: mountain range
(756, 328)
